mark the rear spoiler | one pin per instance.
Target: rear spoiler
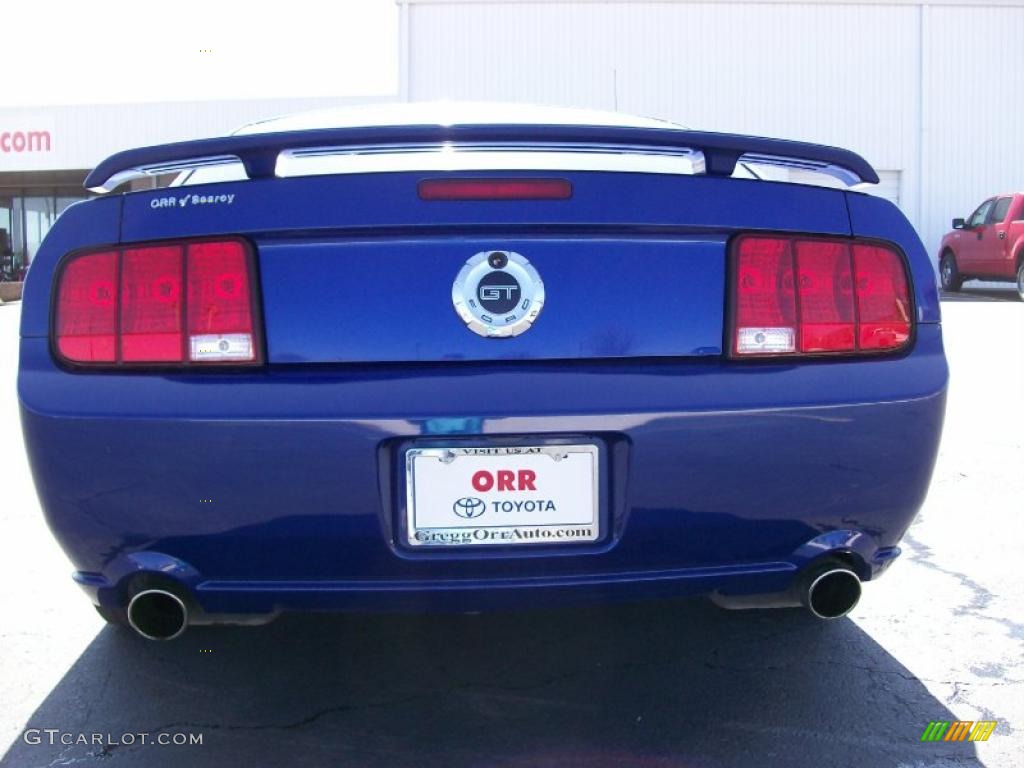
(259, 152)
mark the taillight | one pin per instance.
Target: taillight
(220, 322)
(87, 302)
(172, 304)
(495, 189)
(797, 295)
(883, 304)
(151, 302)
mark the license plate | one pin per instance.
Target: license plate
(508, 496)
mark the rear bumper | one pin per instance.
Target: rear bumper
(254, 598)
(283, 489)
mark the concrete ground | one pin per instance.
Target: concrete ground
(677, 684)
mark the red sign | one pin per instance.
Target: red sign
(505, 480)
(17, 142)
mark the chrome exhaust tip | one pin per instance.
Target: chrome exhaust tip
(157, 614)
(832, 592)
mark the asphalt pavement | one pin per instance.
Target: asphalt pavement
(663, 684)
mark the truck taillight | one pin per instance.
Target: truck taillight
(794, 295)
(172, 304)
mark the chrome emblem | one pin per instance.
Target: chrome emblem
(498, 294)
(469, 507)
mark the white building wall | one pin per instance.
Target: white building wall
(851, 74)
(82, 136)
(974, 110)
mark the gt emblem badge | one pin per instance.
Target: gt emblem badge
(498, 294)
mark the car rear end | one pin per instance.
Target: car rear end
(263, 394)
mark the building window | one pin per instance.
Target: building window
(26, 215)
(39, 217)
(6, 237)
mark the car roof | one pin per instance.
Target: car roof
(448, 113)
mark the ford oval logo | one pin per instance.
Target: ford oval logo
(469, 507)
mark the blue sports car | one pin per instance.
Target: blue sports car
(385, 359)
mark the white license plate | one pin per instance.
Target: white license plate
(502, 496)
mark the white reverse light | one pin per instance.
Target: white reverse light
(221, 346)
(767, 340)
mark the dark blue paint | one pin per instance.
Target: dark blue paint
(390, 312)
(720, 475)
(388, 203)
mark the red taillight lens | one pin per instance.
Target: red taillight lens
(87, 300)
(826, 296)
(495, 189)
(765, 299)
(220, 323)
(167, 304)
(883, 299)
(805, 295)
(151, 302)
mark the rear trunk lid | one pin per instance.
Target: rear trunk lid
(358, 269)
(391, 299)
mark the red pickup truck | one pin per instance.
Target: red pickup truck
(988, 245)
